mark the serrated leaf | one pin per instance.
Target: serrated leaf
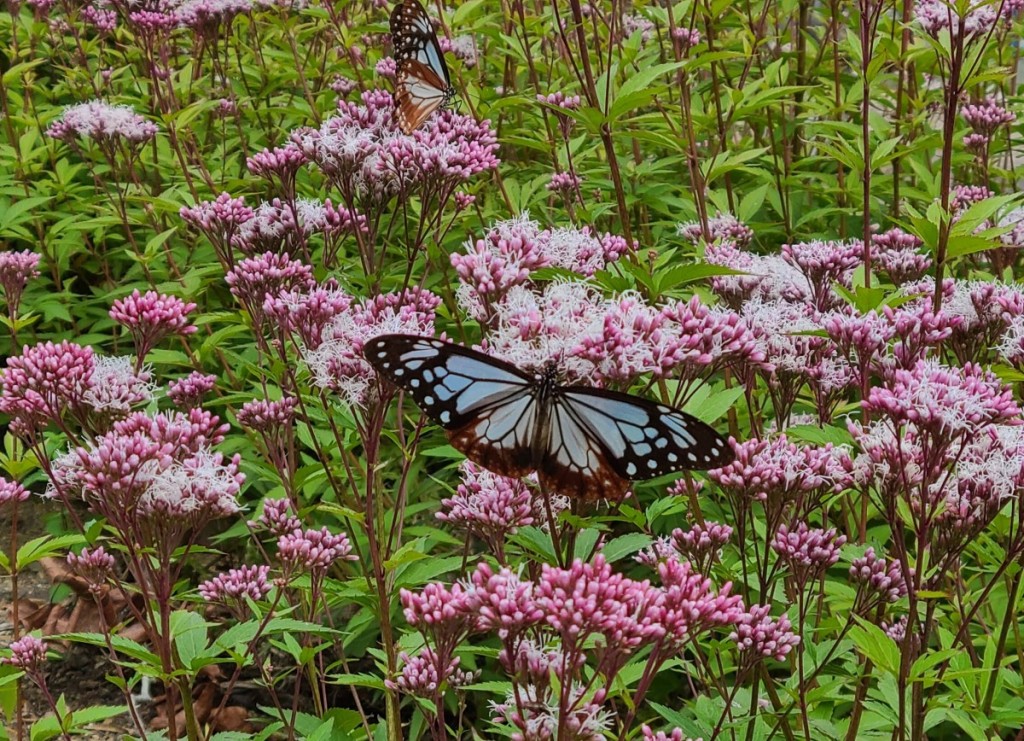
(874, 644)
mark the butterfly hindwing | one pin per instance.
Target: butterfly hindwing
(575, 463)
(418, 94)
(644, 439)
(423, 82)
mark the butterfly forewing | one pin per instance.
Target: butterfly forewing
(644, 439)
(488, 407)
(423, 82)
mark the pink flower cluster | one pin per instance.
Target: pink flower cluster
(949, 444)
(28, 654)
(55, 384)
(16, 269)
(552, 625)
(117, 385)
(824, 264)
(807, 552)
(154, 475)
(150, 317)
(188, 392)
(562, 105)
(898, 254)
(362, 152)
(463, 47)
(512, 250)
(280, 163)
(423, 675)
(986, 117)
(489, 506)
(94, 565)
(220, 221)
(936, 16)
(758, 634)
(303, 313)
(12, 492)
(943, 401)
(263, 415)
(722, 227)
(102, 121)
(287, 226)
(45, 383)
(592, 338)
(779, 472)
(881, 579)
(676, 734)
(702, 544)
(237, 585)
(313, 550)
(565, 183)
(337, 362)
(768, 278)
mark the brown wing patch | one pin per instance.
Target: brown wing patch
(512, 460)
(599, 483)
(411, 109)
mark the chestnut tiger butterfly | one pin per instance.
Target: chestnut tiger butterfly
(582, 441)
(423, 83)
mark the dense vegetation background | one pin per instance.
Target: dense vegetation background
(800, 221)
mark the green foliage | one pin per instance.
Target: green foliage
(777, 116)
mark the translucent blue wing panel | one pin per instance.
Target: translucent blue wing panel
(644, 439)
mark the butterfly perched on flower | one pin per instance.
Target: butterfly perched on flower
(423, 83)
(582, 441)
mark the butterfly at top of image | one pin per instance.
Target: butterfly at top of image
(582, 441)
(423, 83)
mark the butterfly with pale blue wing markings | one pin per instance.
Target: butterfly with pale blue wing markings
(582, 441)
(423, 83)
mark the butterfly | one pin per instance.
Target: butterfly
(423, 84)
(582, 441)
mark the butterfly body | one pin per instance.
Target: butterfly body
(583, 442)
(423, 84)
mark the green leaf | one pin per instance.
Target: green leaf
(425, 570)
(190, 635)
(959, 718)
(122, 645)
(323, 732)
(967, 244)
(239, 634)
(874, 644)
(586, 539)
(537, 541)
(715, 405)
(625, 545)
(406, 554)
(95, 714)
(679, 275)
(359, 680)
(820, 435)
(639, 88)
(46, 545)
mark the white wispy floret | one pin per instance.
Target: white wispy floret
(116, 387)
